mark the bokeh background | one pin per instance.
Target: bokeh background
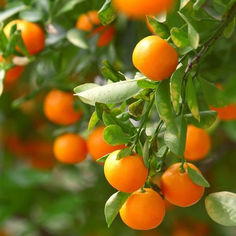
(38, 195)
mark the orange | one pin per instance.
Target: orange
(90, 23)
(198, 143)
(155, 58)
(59, 108)
(70, 148)
(12, 74)
(127, 174)
(32, 35)
(86, 22)
(143, 210)
(226, 113)
(106, 35)
(178, 188)
(140, 8)
(2, 3)
(97, 146)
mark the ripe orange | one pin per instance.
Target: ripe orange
(32, 35)
(97, 146)
(127, 174)
(12, 74)
(70, 148)
(90, 23)
(59, 108)
(198, 143)
(140, 8)
(143, 210)
(178, 188)
(155, 58)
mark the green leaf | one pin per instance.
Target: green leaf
(183, 3)
(179, 37)
(192, 33)
(230, 29)
(102, 159)
(108, 119)
(93, 121)
(197, 178)
(213, 95)
(110, 73)
(124, 152)
(136, 108)
(85, 87)
(176, 88)
(113, 205)
(176, 139)
(12, 11)
(192, 99)
(207, 119)
(198, 4)
(99, 107)
(114, 135)
(163, 104)
(77, 38)
(147, 84)
(145, 151)
(107, 14)
(159, 29)
(221, 207)
(2, 76)
(111, 93)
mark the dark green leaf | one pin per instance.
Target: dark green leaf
(175, 139)
(197, 178)
(207, 119)
(136, 108)
(230, 29)
(114, 135)
(107, 14)
(163, 104)
(113, 205)
(159, 29)
(110, 73)
(221, 207)
(192, 99)
(146, 155)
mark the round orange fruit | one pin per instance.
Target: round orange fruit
(143, 210)
(198, 143)
(70, 148)
(127, 174)
(155, 58)
(178, 188)
(32, 35)
(59, 108)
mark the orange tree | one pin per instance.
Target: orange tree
(80, 77)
